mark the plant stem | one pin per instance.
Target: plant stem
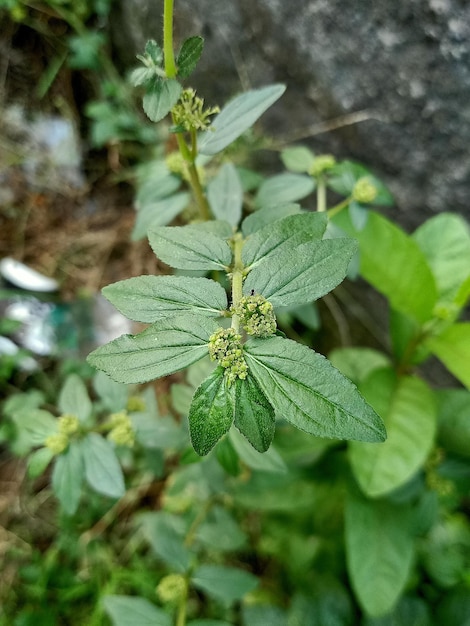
(181, 614)
(321, 194)
(169, 55)
(237, 278)
(339, 207)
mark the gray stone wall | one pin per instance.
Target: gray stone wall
(403, 64)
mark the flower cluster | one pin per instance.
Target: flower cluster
(322, 163)
(58, 442)
(176, 163)
(226, 349)
(256, 316)
(364, 191)
(190, 114)
(172, 588)
(121, 432)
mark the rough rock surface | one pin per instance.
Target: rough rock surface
(406, 64)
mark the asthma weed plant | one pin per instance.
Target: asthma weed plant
(268, 262)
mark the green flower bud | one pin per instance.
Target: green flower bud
(364, 191)
(122, 435)
(135, 404)
(68, 424)
(256, 316)
(172, 589)
(190, 113)
(322, 163)
(225, 347)
(57, 443)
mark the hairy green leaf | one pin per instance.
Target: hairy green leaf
(379, 550)
(394, 264)
(268, 215)
(306, 390)
(158, 213)
(452, 347)
(225, 195)
(161, 96)
(284, 188)
(189, 248)
(226, 584)
(445, 242)
(237, 117)
(74, 398)
(189, 55)
(149, 298)
(102, 470)
(211, 412)
(408, 410)
(165, 347)
(284, 234)
(302, 274)
(125, 610)
(254, 416)
(68, 476)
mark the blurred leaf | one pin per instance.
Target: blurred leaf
(454, 420)
(85, 50)
(34, 426)
(226, 584)
(126, 610)
(358, 363)
(68, 476)
(344, 175)
(165, 534)
(269, 461)
(74, 398)
(298, 159)
(284, 188)
(102, 470)
(220, 531)
(237, 117)
(158, 433)
(159, 213)
(452, 347)
(261, 615)
(268, 215)
(38, 461)
(225, 195)
(112, 394)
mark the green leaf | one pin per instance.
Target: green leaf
(394, 264)
(379, 550)
(268, 215)
(158, 433)
(408, 410)
(74, 398)
(302, 274)
(225, 195)
(284, 234)
(158, 213)
(306, 390)
(298, 159)
(154, 52)
(344, 176)
(237, 117)
(161, 96)
(454, 420)
(220, 531)
(269, 461)
(150, 298)
(189, 248)
(33, 427)
(125, 610)
(254, 416)
(102, 470)
(445, 242)
(67, 477)
(155, 183)
(112, 394)
(38, 461)
(359, 214)
(452, 347)
(165, 347)
(211, 412)
(165, 534)
(358, 363)
(189, 55)
(284, 188)
(208, 622)
(226, 584)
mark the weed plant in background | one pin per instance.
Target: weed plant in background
(291, 489)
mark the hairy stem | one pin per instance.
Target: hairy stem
(237, 278)
(169, 55)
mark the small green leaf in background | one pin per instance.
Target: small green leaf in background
(38, 461)
(127, 610)
(445, 242)
(159, 213)
(269, 461)
(358, 363)
(269, 215)
(189, 55)
(211, 412)
(302, 274)
(408, 410)
(359, 214)
(225, 195)
(165, 534)
(282, 235)
(454, 420)
(74, 398)
(208, 622)
(394, 264)
(154, 182)
(225, 584)
(149, 298)
(220, 531)
(409, 611)
(306, 390)
(102, 470)
(298, 159)
(165, 347)
(452, 347)
(345, 175)
(284, 188)
(68, 476)
(379, 551)
(112, 394)
(161, 96)
(254, 416)
(237, 117)
(189, 248)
